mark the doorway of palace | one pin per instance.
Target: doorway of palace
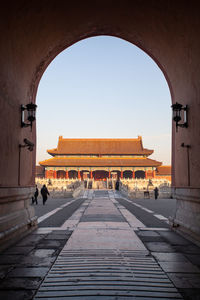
(100, 175)
(61, 174)
(128, 174)
(85, 174)
(115, 175)
(140, 174)
(73, 174)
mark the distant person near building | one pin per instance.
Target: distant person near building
(36, 194)
(117, 185)
(156, 193)
(44, 193)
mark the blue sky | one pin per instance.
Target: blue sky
(104, 87)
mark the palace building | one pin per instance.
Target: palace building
(101, 159)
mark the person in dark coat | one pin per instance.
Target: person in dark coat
(44, 193)
(36, 194)
(156, 193)
(117, 185)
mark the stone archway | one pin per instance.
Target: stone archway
(37, 32)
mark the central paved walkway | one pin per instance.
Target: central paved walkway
(104, 258)
(102, 226)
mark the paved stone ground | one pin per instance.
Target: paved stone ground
(110, 255)
(177, 256)
(24, 266)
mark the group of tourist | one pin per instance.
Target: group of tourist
(44, 192)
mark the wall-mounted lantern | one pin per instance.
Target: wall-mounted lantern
(29, 116)
(180, 114)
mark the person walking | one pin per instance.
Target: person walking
(117, 185)
(156, 193)
(36, 194)
(44, 193)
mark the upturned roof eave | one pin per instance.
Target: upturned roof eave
(52, 162)
(143, 152)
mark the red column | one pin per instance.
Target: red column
(109, 175)
(121, 174)
(133, 176)
(91, 174)
(153, 174)
(46, 174)
(79, 174)
(66, 175)
(54, 174)
(145, 174)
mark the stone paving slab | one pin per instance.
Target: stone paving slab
(10, 259)
(103, 218)
(51, 244)
(29, 272)
(21, 283)
(187, 249)
(4, 270)
(101, 208)
(17, 295)
(179, 267)
(108, 225)
(184, 281)
(43, 253)
(55, 236)
(150, 236)
(190, 293)
(148, 233)
(174, 238)
(146, 238)
(30, 240)
(160, 247)
(169, 257)
(23, 250)
(31, 260)
(195, 259)
(104, 239)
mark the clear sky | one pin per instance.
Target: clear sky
(104, 87)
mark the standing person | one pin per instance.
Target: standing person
(36, 194)
(117, 185)
(156, 193)
(44, 193)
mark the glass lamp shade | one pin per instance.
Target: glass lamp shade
(31, 109)
(177, 112)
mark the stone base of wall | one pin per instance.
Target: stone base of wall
(187, 215)
(17, 216)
